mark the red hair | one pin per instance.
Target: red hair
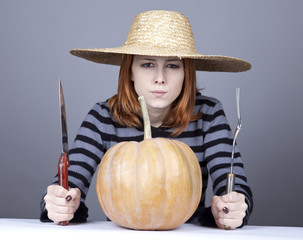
(125, 108)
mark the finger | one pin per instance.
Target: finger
(233, 197)
(58, 217)
(72, 194)
(238, 206)
(56, 190)
(232, 215)
(218, 203)
(60, 209)
(53, 200)
(231, 223)
(225, 210)
(226, 227)
(68, 198)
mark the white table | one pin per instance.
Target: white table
(34, 229)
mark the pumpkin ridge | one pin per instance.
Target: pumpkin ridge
(113, 185)
(181, 161)
(124, 205)
(191, 168)
(137, 180)
(165, 180)
(180, 146)
(170, 209)
(105, 199)
(148, 157)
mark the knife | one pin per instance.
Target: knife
(63, 163)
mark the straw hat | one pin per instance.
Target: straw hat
(162, 33)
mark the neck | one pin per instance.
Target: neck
(157, 116)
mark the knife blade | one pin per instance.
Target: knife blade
(63, 163)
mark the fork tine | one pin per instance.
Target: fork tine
(238, 105)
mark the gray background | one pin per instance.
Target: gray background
(35, 39)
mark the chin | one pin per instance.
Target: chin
(158, 104)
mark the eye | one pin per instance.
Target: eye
(147, 65)
(174, 66)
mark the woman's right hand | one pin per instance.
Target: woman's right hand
(61, 204)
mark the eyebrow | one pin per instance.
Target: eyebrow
(167, 60)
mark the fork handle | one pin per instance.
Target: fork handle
(230, 182)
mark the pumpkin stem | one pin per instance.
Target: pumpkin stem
(146, 121)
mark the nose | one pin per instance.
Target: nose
(160, 77)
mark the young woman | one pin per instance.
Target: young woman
(158, 60)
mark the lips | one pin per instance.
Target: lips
(158, 93)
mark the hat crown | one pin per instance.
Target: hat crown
(167, 30)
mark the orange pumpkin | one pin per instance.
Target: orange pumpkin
(155, 184)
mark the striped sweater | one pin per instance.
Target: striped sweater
(209, 137)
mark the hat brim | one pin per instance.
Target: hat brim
(113, 56)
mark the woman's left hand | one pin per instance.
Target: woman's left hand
(229, 210)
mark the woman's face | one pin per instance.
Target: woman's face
(158, 79)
